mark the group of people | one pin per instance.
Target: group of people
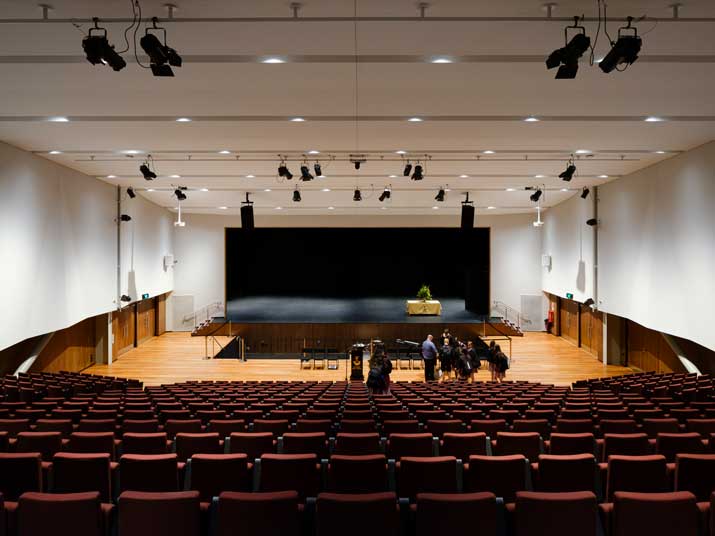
(459, 360)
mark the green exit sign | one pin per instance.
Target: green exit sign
(569, 296)
(145, 296)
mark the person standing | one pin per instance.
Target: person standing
(501, 364)
(445, 360)
(429, 356)
(472, 360)
(491, 360)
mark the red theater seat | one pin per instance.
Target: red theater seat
(426, 475)
(654, 514)
(283, 472)
(258, 514)
(149, 472)
(75, 473)
(556, 514)
(373, 513)
(211, 474)
(159, 514)
(463, 514)
(357, 474)
(66, 514)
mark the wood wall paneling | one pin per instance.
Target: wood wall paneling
(570, 325)
(160, 314)
(124, 330)
(146, 320)
(71, 349)
(592, 331)
(649, 351)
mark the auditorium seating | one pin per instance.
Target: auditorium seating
(248, 458)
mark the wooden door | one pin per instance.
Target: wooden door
(146, 320)
(160, 314)
(124, 330)
(570, 321)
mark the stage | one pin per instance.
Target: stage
(315, 310)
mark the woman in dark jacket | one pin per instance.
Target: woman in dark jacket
(501, 363)
(445, 360)
(491, 360)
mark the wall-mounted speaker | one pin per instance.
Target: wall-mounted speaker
(247, 217)
(467, 217)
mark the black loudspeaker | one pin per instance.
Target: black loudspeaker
(247, 217)
(467, 217)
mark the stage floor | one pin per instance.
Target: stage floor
(312, 310)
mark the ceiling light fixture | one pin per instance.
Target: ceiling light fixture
(566, 58)
(267, 190)
(58, 119)
(583, 151)
(400, 152)
(603, 176)
(538, 222)
(408, 169)
(130, 193)
(532, 119)
(653, 119)
(273, 60)
(179, 193)
(283, 171)
(318, 169)
(568, 173)
(55, 152)
(305, 173)
(98, 50)
(357, 195)
(624, 51)
(585, 192)
(536, 195)
(296, 195)
(325, 190)
(488, 151)
(464, 176)
(313, 152)
(161, 56)
(435, 207)
(386, 194)
(224, 152)
(146, 172)
(175, 176)
(222, 208)
(440, 195)
(204, 190)
(183, 120)
(441, 59)
(250, 176)
(415, 120)
(417, 175)
(298, 120)
(491, 208)
(511, 189)
(111, 176)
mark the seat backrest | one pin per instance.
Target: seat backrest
(695, 473)
(299, 472)
(540, 426)
(571, 472)
(140, 426)
(189, 444)
(14, 426)
(448, 513)
(258, 514)
(399, 445)
(19, 472)
(61, 514)
(440, 427)
(213, 473)
(305, 443)
(152, 443)
(358, 426)
(407, 426)
(572, 444)
(148, 472)
(538, 513)
(188, 426)
(671, 444)
(91, 442)
(501, 475)
(574, 426)
(276, 426)
(159, 514)
(618, 426)
(652, 427)
(358, 443)
(46, 443)
(462, 445)
(357, 474)
(436, 474)
(332, 509)
(253, 444)
(75, 473)
(488, 426)
(643, 474)
(97, 425)
(63, 426)
(655, 514)
(625, 444)
(527, 444)
(704, 427)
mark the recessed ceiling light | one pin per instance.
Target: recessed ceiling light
(532, 119)
(313, 151)
(58, 119)
(539, 176)
(131, 151)
(583, 151)
(273, 60)
(322, 176)
(111, 176)
(447, 189)
(175, 176)
(331, 208)
(415, 119)
(511, 189)
(564, 189)
(224, 152)
(183, 120)
(222, 208)
(488, 151)
(267, 190)
(279, 208)
(298, 119)
(55, 152)
(464, 176)
(401, 152)
(491, 208)
(150, 189)
(653, 119)
(603, 176)
(204, 189)
(250, 176)
(393, 176)
(441, 59)
(383, 208)
(326, 189)
(656, 152)
(435, 208)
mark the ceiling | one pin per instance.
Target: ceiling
(473, 136)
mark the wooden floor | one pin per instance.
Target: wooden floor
(175, 357)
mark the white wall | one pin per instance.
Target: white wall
(656, 242)
(58, 246)
(199, 249)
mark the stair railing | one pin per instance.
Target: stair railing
(510, 314)
(205, 313)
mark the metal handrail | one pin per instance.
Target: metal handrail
(204, 313)
(511, 314)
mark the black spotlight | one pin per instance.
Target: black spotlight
(318, 169)
(180, 195)
(357, 165)
(536, 195)
(305, 173)
(125, 217)
(125, 298)
(296, 195)
(160, 55)
(148, 173)
(130, 193)
(386, 194)
(591, 222)
(585, 192)
(98, 50)
(440, 195)
(589, 302)
(568, 173)
(357, 196)
(624, 51)
(417, 175)
(566, 58)
(408, 170)
(247, 222)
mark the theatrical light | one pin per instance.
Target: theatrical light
(159, 53)
(568, 173)
(247, 221)
(357, 195)
(408, 170)
(98, 50)
(146, 172)
(180, 195)
(589, 302)
(125, 217)
(440, 195)
(591, 222)
(417, 175)
(283, 171)
(386, 194)
(536, 195)
(318, 169)
(624, 51)
(585, 192)
(305, 173)
(125, 298)
(296, 195)
(566, 58)
(357, 165)
(130, 193)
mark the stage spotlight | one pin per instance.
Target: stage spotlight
(408, 170)
(318, 169)
(386, 194)
(125, 217)
(124, 298)
(467, 221)
(591, 222)
(568, 173)
(440, 195)
(357, 165)
(566, 58)
(283, 171)
(357, 196)
(159, 53)
(536, 195)
(417, 175)
(296, 195)
(98, 50)
(247, 222)
(589, 302)
(585, 192)
(623, 52)
(130, 193)
(180, 195)
(147, 172)
(305, 173)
